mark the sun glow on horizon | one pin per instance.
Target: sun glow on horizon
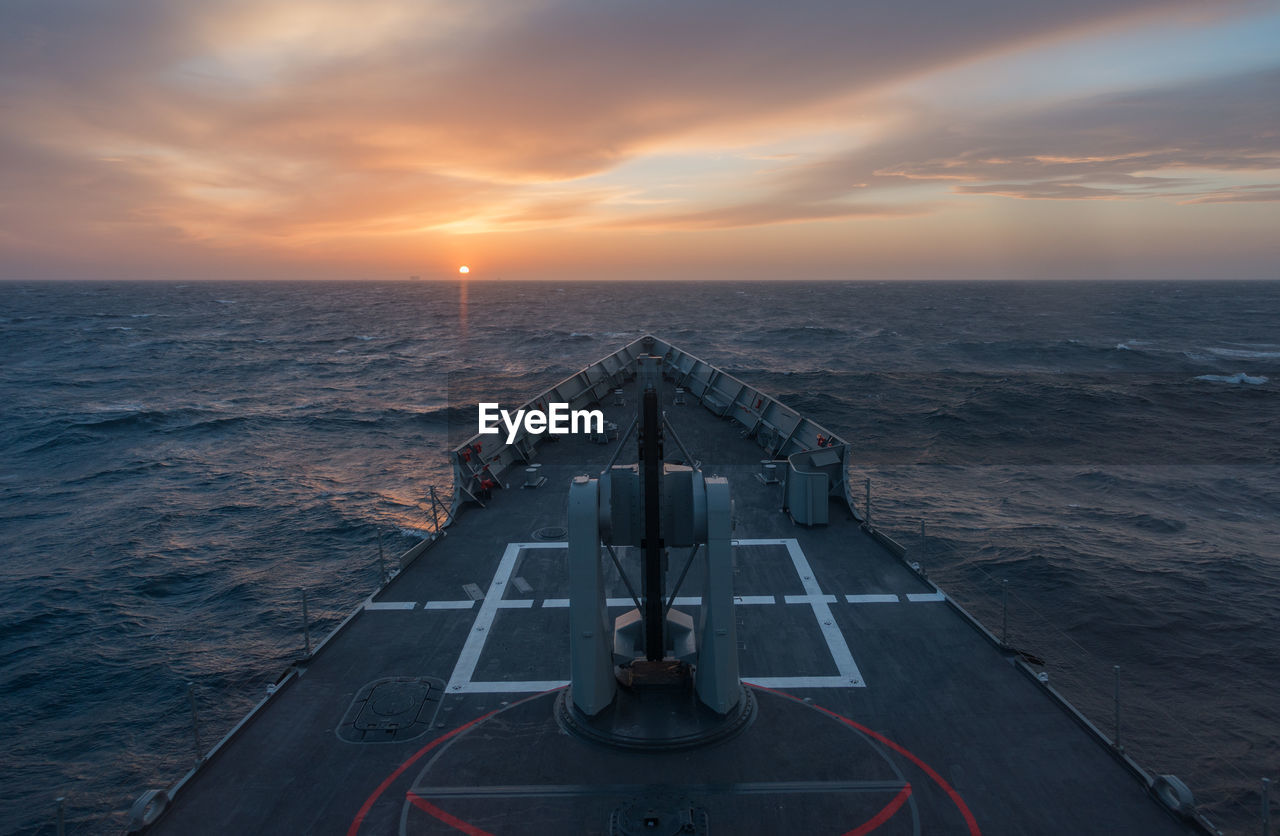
(464, 269)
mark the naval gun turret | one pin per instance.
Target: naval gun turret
(651, 677)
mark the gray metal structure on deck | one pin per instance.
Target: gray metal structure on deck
(874, 703)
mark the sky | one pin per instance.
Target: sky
(598, 139)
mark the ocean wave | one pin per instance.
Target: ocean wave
(1056, 356)
(1238, 377)
(1245, 354)
(86, 428)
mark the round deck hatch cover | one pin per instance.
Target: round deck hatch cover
(392, 709)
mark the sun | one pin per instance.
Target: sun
(464, 269)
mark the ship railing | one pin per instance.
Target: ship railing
(779, 430)
(490, 457)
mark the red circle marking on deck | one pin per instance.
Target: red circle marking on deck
(448, 818)
(470, 829)
(884, 815)
(906, 753)
(390, 779)
(866, 827)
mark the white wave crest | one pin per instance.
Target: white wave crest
(1238, 377)
(1246, 354)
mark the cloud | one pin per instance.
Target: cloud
(519, 91)
(275, 126)
(1260, 193)
(1099, 148)
(1102, 147)
(761, 213)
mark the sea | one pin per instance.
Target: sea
(1092, 468)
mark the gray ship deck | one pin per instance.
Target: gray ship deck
(879, 707)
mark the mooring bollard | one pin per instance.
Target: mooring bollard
(195, 723)
(62, 821)
(1116, 741)
(306, 626)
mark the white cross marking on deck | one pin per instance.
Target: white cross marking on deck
(461, 682)
(872, 599)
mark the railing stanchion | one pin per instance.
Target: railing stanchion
(306, 626)
(1117, 742)
(867, 514)
(437, 504)
(62, 821)
(382, 562)
(195, 723)
(1004, 612)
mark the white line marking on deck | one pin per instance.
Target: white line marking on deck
(682, 601)
(500, 687)
(448, 605)
(809, 599)
(873, 599)
(920, 597)
(390, 605)
(784, 683)
(516, 604)
(826, 622)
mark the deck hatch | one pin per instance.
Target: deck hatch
(392, 709)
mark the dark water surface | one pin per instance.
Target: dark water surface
(179, 461)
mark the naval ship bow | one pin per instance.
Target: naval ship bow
(679, 624)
